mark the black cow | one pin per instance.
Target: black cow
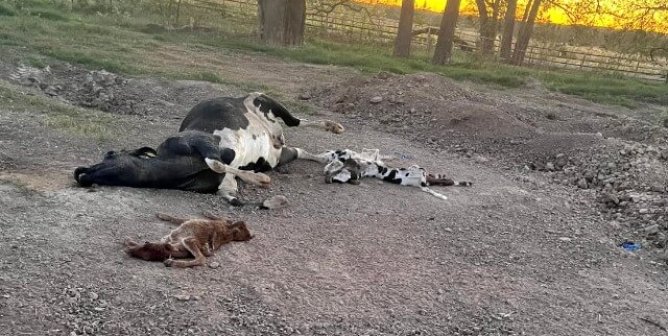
(220, 139)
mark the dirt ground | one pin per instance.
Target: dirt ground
(530, 249)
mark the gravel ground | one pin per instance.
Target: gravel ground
(516, 254)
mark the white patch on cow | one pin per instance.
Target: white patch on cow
(342, 177)
(253, 142)
(413, 176)
(322, 157)
(333, 166)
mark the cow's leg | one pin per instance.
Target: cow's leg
(228, 190)
(259, 179)
(289, 154)
(193, 247)
(171, 219)
(282, 112)
(327, 125)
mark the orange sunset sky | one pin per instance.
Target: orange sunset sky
(656, 22)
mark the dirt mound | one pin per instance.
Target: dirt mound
(421, 101)
(113, 93)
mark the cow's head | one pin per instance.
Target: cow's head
(114, 166)
(240, 232)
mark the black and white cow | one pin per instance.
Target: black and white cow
(190, 161)
(220, 139)
(249, 128)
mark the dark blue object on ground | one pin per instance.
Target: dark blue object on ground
(630, 246)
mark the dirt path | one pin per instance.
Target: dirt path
(513, 255)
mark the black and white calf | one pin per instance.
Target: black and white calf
(249, 128)
(347, 166)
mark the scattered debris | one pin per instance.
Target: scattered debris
(630, 246)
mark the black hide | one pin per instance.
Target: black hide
(178, 163)
(227, 112)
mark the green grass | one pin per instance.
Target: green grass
(5, 10)
(605, 89)
(49, 14)
(77, 121)
(130, 44)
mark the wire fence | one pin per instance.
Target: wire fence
(364, 26)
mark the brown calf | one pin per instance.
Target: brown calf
(198, 238)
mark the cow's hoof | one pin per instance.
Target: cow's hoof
(236, 202)
(129, 242)
(334, 127)
(263, 180)
(168, 262)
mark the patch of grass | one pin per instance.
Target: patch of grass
(5, 10)
(49, 14)
(92, 60)
(369, 59)
(35, 61)
(57, 115)
(301, 107)
(604, 89)
(207, 76)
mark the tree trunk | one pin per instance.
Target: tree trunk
(508, 29)
(446, 35)
(525, 34)
(282, 21)
(402, 45)
(488, 26)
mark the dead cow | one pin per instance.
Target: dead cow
(220, 140)
(194, 238)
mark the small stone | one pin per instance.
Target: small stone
(214, 265)
(611, 198)
(93, 296)
(480, 159)
(376, 100)
(589, 176)
(652, 229)
(582, 183)
(657, 188)
(305, 96)
(182, 297)
(549, 166)
(565, 239)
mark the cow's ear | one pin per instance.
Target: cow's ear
(144, 151)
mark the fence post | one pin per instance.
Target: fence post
(584, 59)
(428, 41)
